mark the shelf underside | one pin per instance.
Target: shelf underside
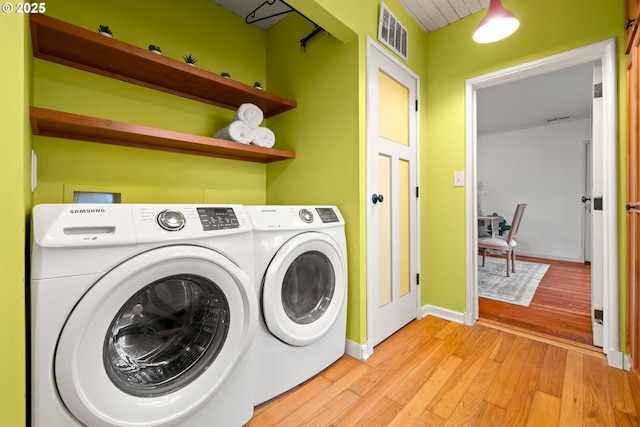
(60, 124)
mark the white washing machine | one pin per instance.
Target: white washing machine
(142, 315)
(301, 279)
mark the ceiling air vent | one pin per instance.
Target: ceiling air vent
(556, 119)
(392, 33)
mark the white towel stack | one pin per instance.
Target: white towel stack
(245, 128)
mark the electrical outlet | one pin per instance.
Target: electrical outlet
(458, 179)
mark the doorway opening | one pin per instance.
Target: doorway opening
(607, 270)
(533, 146)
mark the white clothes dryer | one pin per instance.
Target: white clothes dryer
(141, 315)
(301, 278)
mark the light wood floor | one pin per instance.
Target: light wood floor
(437, 373)
(561, 306)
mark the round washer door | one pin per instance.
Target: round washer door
(304, 289)
(155, 338)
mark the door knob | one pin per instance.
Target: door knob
(629, 207)
(377, 198)
(585, 199)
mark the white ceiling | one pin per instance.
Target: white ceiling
(434, 14)
(530, 102)
(430, 14)
(516, 105)
(265, 8)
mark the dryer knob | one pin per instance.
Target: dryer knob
(171, 220)
(306, 215)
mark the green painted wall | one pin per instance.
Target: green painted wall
(444, 59)
(15, 72)
(547, 27)
(327, 129)
(326, 141)
(220, 41)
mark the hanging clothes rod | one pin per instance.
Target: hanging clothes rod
(303, 43)
(251, 18)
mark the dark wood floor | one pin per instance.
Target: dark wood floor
(560, 307)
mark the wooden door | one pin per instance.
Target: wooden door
(392, 232)
(632, 9)
(633, 208)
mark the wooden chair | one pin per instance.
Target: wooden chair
(507, 244)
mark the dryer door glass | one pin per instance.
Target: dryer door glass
(308, 287)
(165, 335)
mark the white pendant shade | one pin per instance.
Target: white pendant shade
(497, 24)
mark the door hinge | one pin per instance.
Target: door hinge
(418, 279)
(598, 316)
(416, 105)
(629, 24)
(597, 203)
(597, 90)
(417, 192)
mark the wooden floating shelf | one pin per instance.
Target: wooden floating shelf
(77, 47)
(59, 124)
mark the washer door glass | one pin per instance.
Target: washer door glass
(308, 287)
(304, 289)
(165, 335)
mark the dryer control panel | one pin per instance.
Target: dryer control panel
(285, 217)
(327, 215)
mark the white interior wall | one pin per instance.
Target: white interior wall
(544, 167)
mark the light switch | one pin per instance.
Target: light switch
(458, 179)
(34, 171)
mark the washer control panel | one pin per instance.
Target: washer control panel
(218, 218)
(182, 221)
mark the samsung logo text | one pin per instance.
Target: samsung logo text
(86, 211)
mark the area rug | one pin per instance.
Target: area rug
(519, 289)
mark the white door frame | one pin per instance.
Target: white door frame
(367, 349)
(605, 52)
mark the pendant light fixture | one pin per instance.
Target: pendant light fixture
(497, 24)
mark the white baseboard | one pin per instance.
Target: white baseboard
(626, 362)
(618, 360)
(358, 351)
(468, 319)
(443, 313)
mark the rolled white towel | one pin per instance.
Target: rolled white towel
(237, 131)
(251, 114)
(263, 137)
